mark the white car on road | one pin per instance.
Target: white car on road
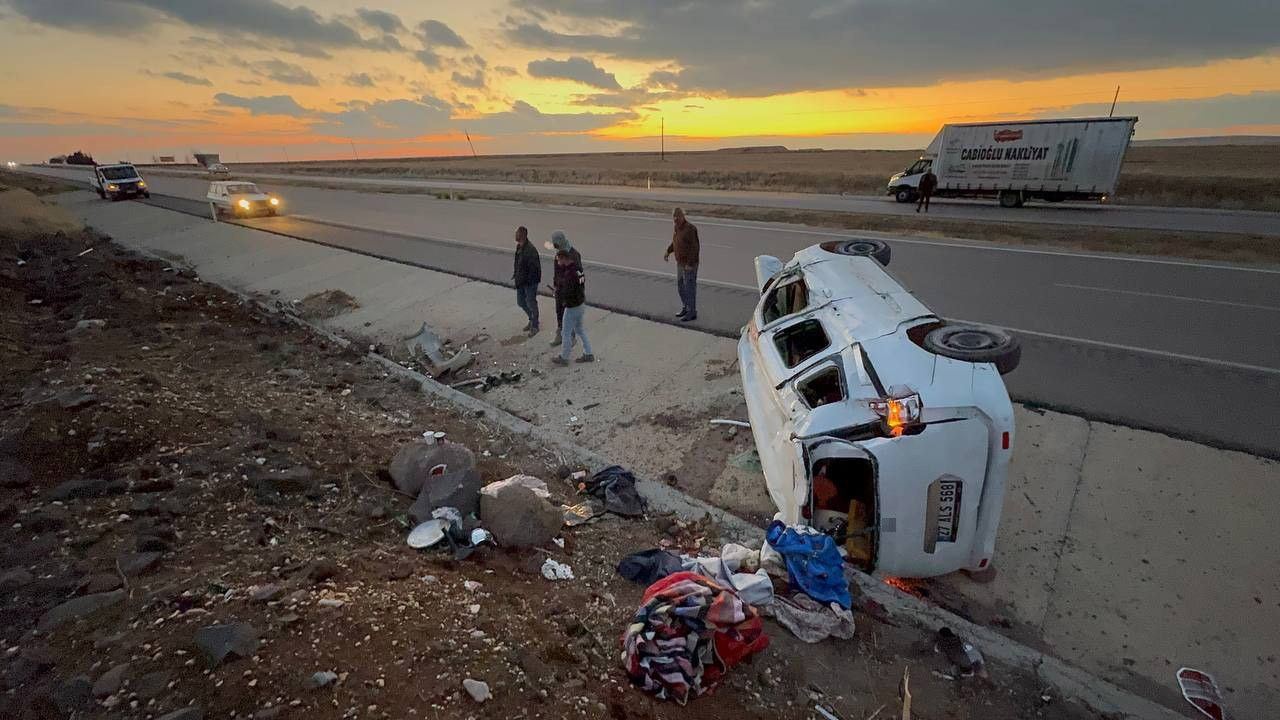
(118, 181)
(241, 199)
(876, 421)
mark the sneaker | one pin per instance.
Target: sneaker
(586, 359)
(526, 327)
(558, 340)
(532, 330)
(559, 360)
(682, 313)
(689, 318)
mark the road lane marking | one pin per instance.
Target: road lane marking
(1170, 297)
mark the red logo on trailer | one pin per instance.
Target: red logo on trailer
(1008, 135)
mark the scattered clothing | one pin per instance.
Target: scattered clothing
(687, 633)
(539, 487)
(814, 565)
(553, 570)
(649, 566)
(810, 620)
(737, 568)
(616, 487)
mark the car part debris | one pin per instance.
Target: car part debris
(734, 423)
(426, 344)
(489, 382)
(428, 533)
(1201, 690)
(553, 570)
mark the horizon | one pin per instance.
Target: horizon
(271, 81)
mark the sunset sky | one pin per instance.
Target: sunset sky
(270, 79)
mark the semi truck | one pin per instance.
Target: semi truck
(1052, 160)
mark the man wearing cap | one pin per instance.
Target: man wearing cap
(684, 244)
(572, 291)
(561, 243)
(526, 276)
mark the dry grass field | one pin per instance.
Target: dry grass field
(1216, 176)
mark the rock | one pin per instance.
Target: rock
(88, 325)
(80, 489)
(152, 485)
(78, 609)
(14, 474)
(73, 694)
(51, 519)
(532, 665)
(134, 564)
(100, 583)
(321, 570)
(479, 691)
(75, 398)
(152, 685)
(39, 548)
(285, 482)
(266, 593)
(442, 475)
(324, 678)
(330, 603)
(110, 681)
(189, 713)
(11, 580)
(151, 543)
(283, 434)
(217, 642)
(517, 517)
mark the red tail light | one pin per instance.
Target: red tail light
(1004, 441)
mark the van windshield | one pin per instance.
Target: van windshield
(119, 173)
(242, 189)
(922, 165)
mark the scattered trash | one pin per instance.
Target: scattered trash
(539, 487)
(960, 652)
(814, 565)
(733, 569)
(810, 620)
(1201, 690)
(489, 382)
(904, 692)
(582, 513)
(687, 633)
(323, 678)
(428, 533)
(617, 488)
(474, 608)
(432, 437)
(649, 566)
(734, 423)
(330, 603)
(427, 344)
(553, 570)
(480, 536)
(449, 514)
(471, 585)
(478, 690)
(825, 713)
(559, 542)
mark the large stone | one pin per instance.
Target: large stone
(217, 642)
(517, 517)
(152, 685)
(110, 681)
(14, 474)
(13, 579)
(442, 475)
(188, 713)
(78, 609)
(78, 489)
(134, 564)
(73, 694)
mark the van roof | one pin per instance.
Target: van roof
(865, 301)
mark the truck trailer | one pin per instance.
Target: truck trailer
(1052, 160)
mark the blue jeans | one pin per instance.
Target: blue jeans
(687, 286)
(527, 299)
(573, 327)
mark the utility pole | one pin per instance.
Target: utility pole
(285, 150)
(662, 143)
(1113, 102)
(473, 147)
(353, 149)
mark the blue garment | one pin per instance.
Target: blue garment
(573, 328)
(527, 299)
(687, 286)
(813, 563)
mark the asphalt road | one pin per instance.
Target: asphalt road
(1186, 347)
(1083, 214)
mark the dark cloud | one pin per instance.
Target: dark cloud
(388, 118)
(524, 118)
(429, 59)
(264, 104)
(474, 80)
(359, 80)
(628, 98)
(436, 33)
(381, 20)
(1156, 117)
(181, 77)
(284, 72)
(576, 68)
(506, 70)
(99, 16)
(772, 46)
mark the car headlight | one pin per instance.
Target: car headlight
(244, 204)
(142, 183)
(275, 201)
(113, 186)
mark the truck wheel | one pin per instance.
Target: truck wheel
(860, 247)
(976, 344)
(1010, 199)
(905, 195)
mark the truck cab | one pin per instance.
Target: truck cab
(903, 186)
(876, 421)
(118, 181)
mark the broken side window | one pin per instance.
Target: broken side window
(800, 342)
(822, 388)
(786, 298)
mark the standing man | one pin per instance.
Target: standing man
(684, 243)
(527, 275)
(571, 290)
(928, 183)
(560, 242)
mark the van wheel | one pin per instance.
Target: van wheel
(1010, 199)
(904, 195)
(860, 247)
(976, 344)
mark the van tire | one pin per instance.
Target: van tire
(861, 247)
(1010, 199)
(976, 344)
(904, 195)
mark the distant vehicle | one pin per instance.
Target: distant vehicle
(241, 199)
(1053, 160)
(219, 170)
(876, 421)
(11, 164)
(118, 181)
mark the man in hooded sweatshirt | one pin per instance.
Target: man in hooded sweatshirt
(561, 243)
(526, 276)
(685, 245)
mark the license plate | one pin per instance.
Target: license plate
(942, 521)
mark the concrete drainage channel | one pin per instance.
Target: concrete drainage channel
(1067, 681)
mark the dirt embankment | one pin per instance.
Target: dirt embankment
(176, 465)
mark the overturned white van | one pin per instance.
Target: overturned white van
(877, 421)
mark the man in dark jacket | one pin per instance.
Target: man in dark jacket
(560, 242)
(928, 183)
(685, 245)
(571, 290)
(527, 275)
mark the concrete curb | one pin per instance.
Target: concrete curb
(1070, 682)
